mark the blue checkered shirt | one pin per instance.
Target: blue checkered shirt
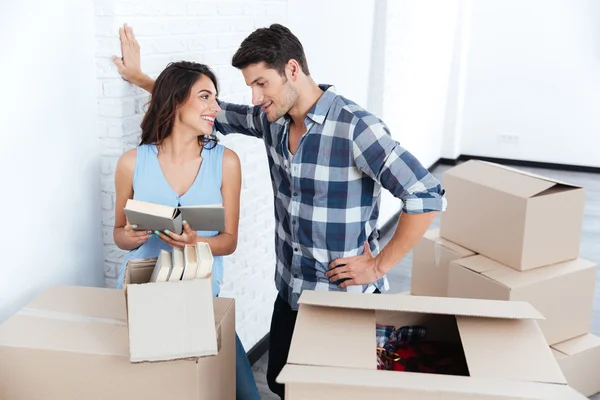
(327, 194)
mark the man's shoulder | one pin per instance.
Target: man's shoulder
(348, 110)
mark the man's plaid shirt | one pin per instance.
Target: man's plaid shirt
(327, 194)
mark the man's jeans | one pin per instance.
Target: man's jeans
(245, 384)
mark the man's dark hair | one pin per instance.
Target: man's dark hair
(275, 46)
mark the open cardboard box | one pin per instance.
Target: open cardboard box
(334, 346)
(71, 343)
(519, 219)
(169, 320)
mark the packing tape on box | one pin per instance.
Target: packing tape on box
(437, 253)
(64, 316)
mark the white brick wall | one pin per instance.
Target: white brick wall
(207, 32)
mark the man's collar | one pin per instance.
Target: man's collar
(319, 111)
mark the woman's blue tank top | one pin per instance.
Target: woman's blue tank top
(150, 184)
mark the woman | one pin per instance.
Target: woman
(179, 162)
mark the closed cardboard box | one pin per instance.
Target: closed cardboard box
(333, 349)
(72, 343)
(431, 258)
(563, 292)
(579, 360)
(521, 220)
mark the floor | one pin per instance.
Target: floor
(590, 249)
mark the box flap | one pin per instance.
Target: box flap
(509, 180)
(81, 300)
(512, 278)
(558, 354)
(434, 236)
(477, 263)
(327, 332)
(508, 349)
(427, 383)
(530, 174)
(578, 344)
(422, 304)
(171, 320)
(47, 330)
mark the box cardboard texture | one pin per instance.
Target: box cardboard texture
(71, 343)
(334, 383)
(177, 314)
(505, 350)
(431, 258)
(521, 220)
(579, 360)
(566, 316)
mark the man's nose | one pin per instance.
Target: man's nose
(257, 97)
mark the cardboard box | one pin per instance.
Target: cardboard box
(334, 383)
(563, 292)
(501, 340)
(72, 343)
(579, 360)
(431, 257)
(521, 220)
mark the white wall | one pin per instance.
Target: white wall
(49, 155)
(533, 88)
(207, 32)
(419, 48)
(336, 36)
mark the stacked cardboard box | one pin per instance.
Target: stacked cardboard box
(511, 235)
(152, 341)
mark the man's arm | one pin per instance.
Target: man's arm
(234, 118)
(380, 157)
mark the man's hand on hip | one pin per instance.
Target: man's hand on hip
(357, 270)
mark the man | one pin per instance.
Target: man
(329, 159)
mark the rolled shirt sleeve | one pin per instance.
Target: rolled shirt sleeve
(380, 157)
(242, 119)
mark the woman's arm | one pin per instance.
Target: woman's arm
(225, 243)
(123, 234)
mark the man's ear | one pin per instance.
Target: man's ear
(293, 69)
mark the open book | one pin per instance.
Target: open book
(151, 216)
